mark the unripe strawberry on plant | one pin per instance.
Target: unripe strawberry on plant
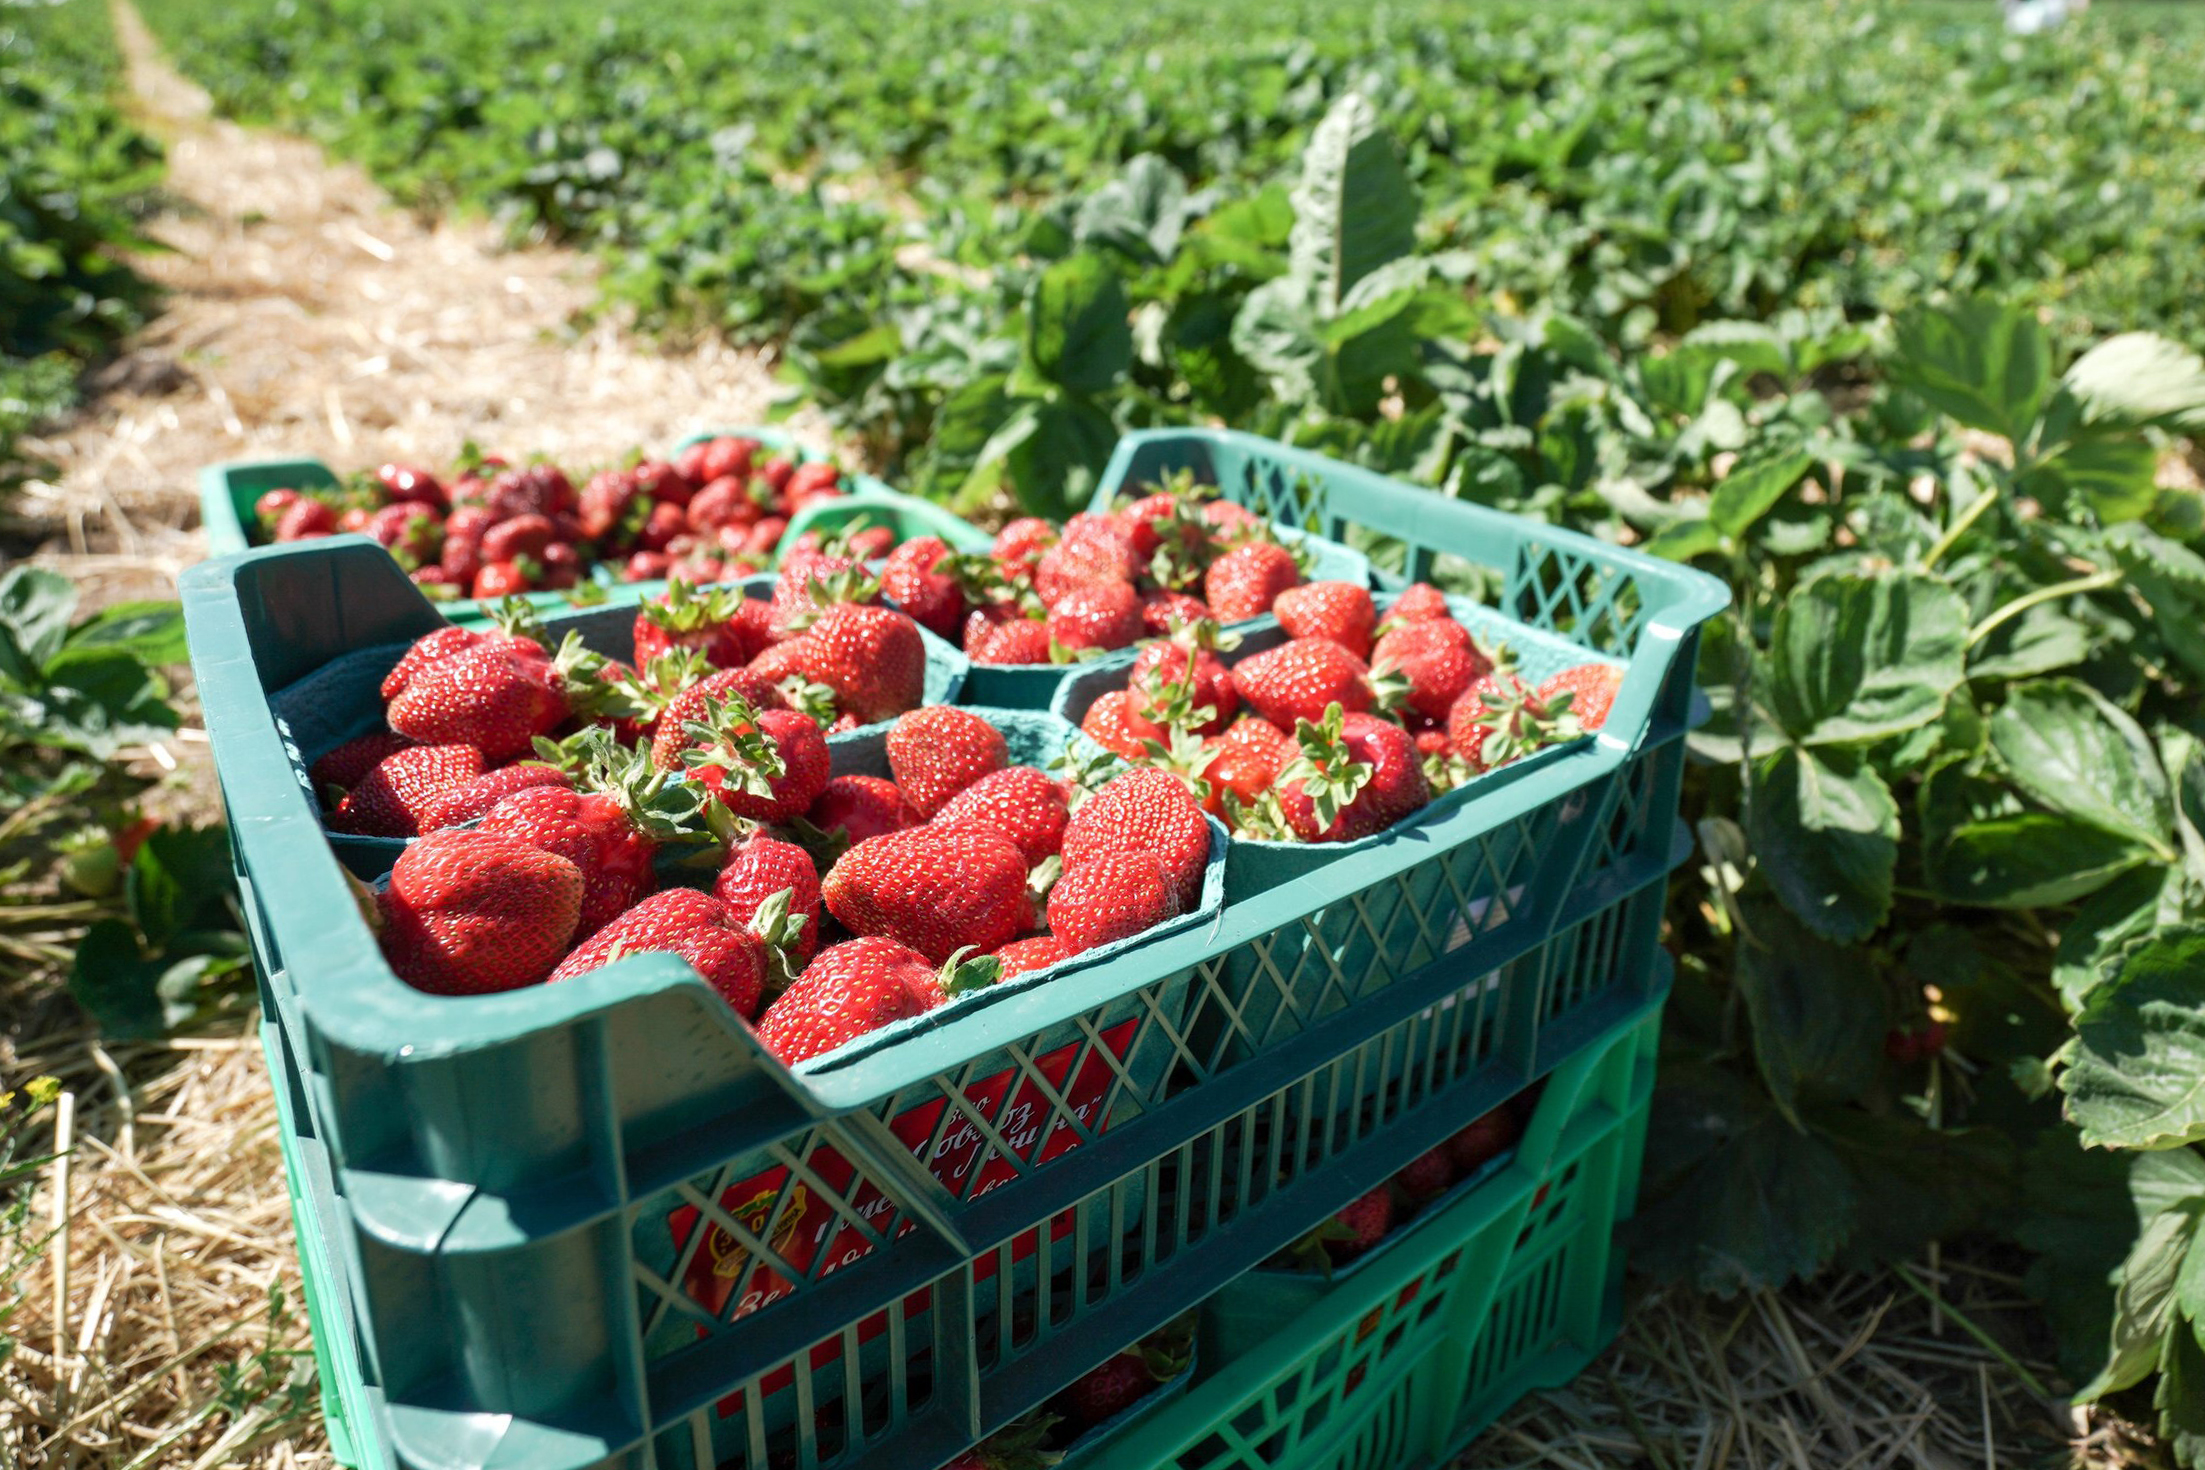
(468, 913)
(935, 889)
(937, 751)
(859, 986)
(734, 957)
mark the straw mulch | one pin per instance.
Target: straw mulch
(157, 1315)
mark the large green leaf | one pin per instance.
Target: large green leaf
(1752, 489)
(1916, 1184)
(2068, 748)
(35, 607)
(178, 882)
(2135, 1076)
(2075, 1215)
(1077, 335)
(150, 631)
(1354, 210)
(2042, 639)
(1141, 212)
(1986, 364)
(2169, 1194)
(115, 983)
(2140, 378)
(2111, 470)
(1825, 833)
(2126, 909)
(1737, 1199)
(1857, 656)
(1818, 1011)
(2028, 860)
(1051, 453)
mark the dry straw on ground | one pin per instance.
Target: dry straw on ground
(162, 1325)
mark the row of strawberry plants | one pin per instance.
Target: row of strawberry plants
(74, 176)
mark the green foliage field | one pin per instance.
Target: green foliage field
(1886, 317)
(73, 175)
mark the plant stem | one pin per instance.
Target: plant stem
(2028, 600)
(1959, 526)
(1983, 1339)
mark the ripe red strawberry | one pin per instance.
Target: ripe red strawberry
(269, 508)
(353, 518)
(914, 576)
(342, 768)
(467, 913)
(859, 986)
(1119, 1382)
(732, 957)
(1090, 551)
(1300, 679)
(1021, 543)
(1355, 775)
(663, 524)
(672, 736)
(757, 868)
(1246, 770)
(523, 535)
(1360, 1226)
(534, 489)
(1427, 1176)
(710, 622)
(1162, 609)
(1109, 723)
(860, 807)
(1244, 582)
(1172, 682)
(1229, 518)
(1423, 668)
(464, 529)
(768, 766)
(1340, 611)
(1140, 521)
(1016, 639)
(1486, 1138)
(1416, 603)
(413, 534)
(466, 803)
(305, 519)
(935, 889)
(871, 657)
(1499, 720)
(398, 791)
(409, 483)
(1018, 801)
(938, 751)
(810, 581)
(611, 510)
(493, 691)
(1110, 896)
(1144, 810)
(1024, 956)
(498, 579)
(592, 831)
(1591, 689)
(1102, 612)
(726, 501)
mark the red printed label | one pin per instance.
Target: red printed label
(814, 1238)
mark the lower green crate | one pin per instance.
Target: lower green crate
(1511, 1287)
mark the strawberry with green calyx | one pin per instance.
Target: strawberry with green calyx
(1189, 757)
(468, 913)
(1109, 723)
(1443, 769)
(1117, 1384)
(1080, 772)
(1416, 603)
(809, 584)
(1363, 1224)
(337, 771)
(1175, 543)
(632, 700)
(851, 809)
(733, 957)
(1092, 549)
(759, 867)
(1499, 719)
(1419, 671)
(1584, 694)
(1019, 545)
(859, 986)
(1355, 774)
(937, 751)
(1300, 679)
(1340, 611)
(1108, 897)
(935, 889)
(931, 582)
(1245, 761)
(707, 621)
(1144, 810)
(1037, 952)
(1181, 682)
(494, 691)
(1162, 610)
(396, 795)
(1018, 801)
(1101, 614)
(670, 739)
(873, 658)
(769, 766)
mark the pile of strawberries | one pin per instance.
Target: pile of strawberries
(1350, 725)
(1047, 1434)
(1046, 594)
(1371, 1217)
(958, 871)
(493, 528)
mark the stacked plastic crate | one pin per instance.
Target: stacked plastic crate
(596, 1223)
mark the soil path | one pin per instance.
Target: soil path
(308, 315)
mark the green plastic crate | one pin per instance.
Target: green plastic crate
(513, 1202)
(341, 700)
(1033, 686)
(1402, 1357)
(227, 492)
(906, 515)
